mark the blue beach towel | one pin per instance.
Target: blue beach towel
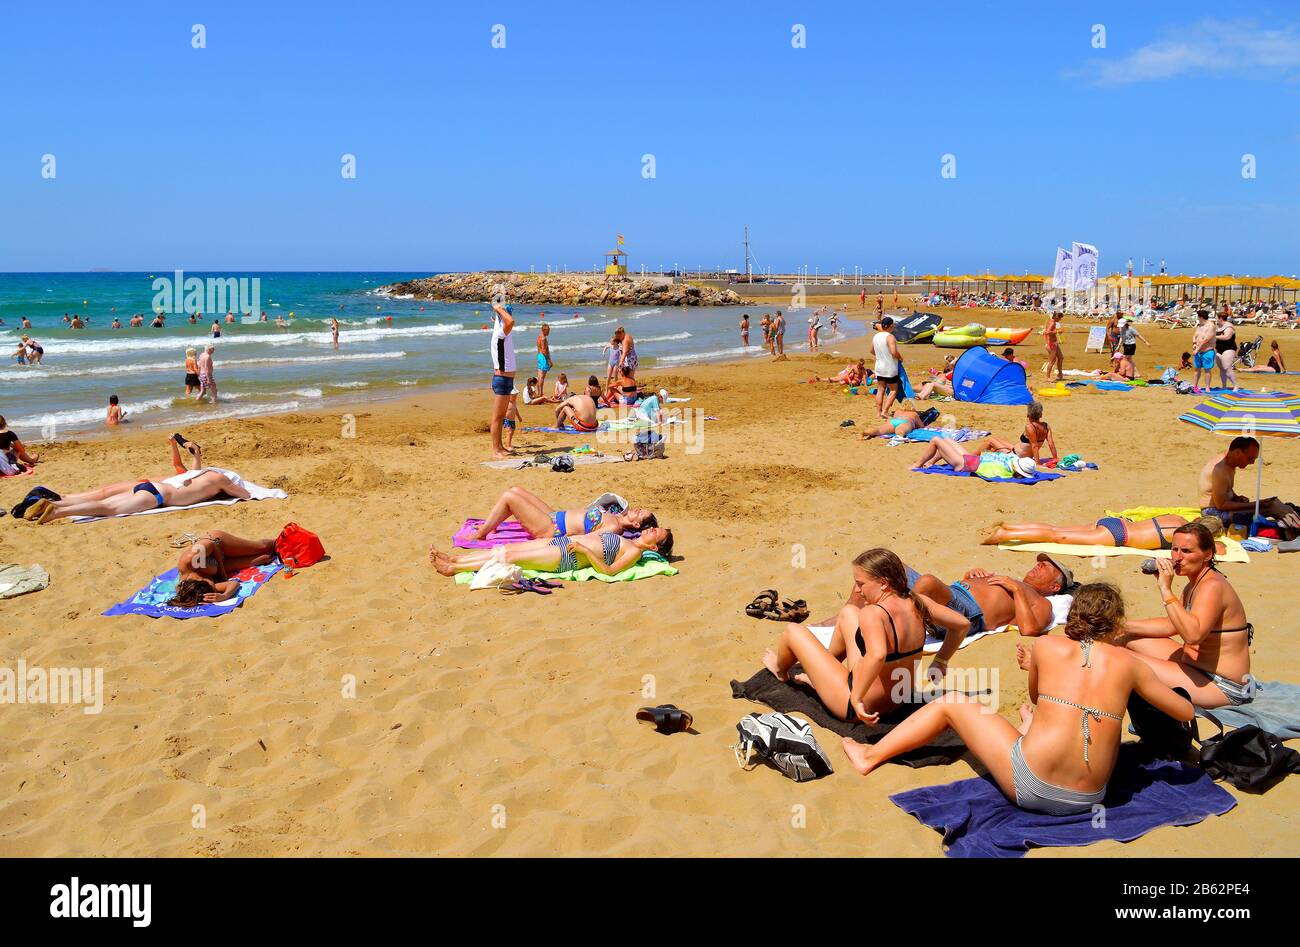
(602, 426)
(946, 471)
(905, 383)
(152, 599)
(977, 821)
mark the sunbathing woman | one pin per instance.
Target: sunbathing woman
(44, 506)
(1276, 363)
(1154, 533)
(206, 567)
(1060, 758)
(542, 522)
(965, 456)
(1213, 660)
(882, 640)
(607, 553)
(901, 424)
(1037, 433)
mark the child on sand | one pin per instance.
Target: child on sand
(562, 388)
(509, 421)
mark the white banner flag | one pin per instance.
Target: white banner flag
(1085, 266)
(1063, 272)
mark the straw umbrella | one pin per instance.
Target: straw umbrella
(1252, 413)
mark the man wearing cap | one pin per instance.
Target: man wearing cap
(503, 372)
(1203, 350)
(888, 360)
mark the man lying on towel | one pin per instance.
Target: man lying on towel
(577, 412)
(989, 601)
(131, 496)
(1219, 498)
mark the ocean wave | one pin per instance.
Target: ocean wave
(180, 343)
(709, 356)
(675, 337)
(84, 416)
(179, 367)
(251, 410)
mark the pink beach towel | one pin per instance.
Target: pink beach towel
(508, 532)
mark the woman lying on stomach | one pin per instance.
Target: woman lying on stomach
(605, 552)
(882, 641)
(1060, 758)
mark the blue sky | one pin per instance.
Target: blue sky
(228, 157)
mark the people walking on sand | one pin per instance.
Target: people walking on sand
(543, 354)
(503, 372)
(880, 305)
(1203, 354)
(744, 329)
(1128, 339)
(207, 377)
(192, 386)
(1052, 336)
(509, 421)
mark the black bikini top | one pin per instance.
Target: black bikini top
(893, 655)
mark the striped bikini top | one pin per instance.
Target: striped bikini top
(1088, 712)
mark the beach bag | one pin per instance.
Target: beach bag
(298, 548)
(1248, 757)
(783, 741)
(496, 575)
(1162, 736)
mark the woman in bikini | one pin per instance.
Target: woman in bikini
(1154, 533)
(1276, 363)
(1037, 433)
(607, 553)
(901, 424)
(1213, 660)
(627, 365)
(207, 568)
(532, 513)
(1060, 758)
(874, 650)
(43, 505)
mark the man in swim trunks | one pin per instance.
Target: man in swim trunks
(1203, 349)
(543, 355)
(577, 412)
(1217, 496)
(502, 350)
(778, 335)
(182, 490)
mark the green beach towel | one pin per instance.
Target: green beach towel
(651, 564)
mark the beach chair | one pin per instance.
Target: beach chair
(1246, 354)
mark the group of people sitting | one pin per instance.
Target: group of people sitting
(1060, 757)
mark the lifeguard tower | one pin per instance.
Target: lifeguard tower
(616, 262)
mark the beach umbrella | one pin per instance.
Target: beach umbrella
(1249, 413)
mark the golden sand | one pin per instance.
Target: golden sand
(488, 724)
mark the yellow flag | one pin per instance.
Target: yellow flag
(620, 240)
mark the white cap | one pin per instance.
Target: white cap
(663, 394)
(1024, 465)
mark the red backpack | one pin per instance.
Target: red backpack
(298, 548)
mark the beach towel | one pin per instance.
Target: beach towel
(18, 580)
(257, 493)
(978, 821)
(763, 688)
(924, 434)
(152, 599)
(1275, 710)
(1188, 513)
(905, 383)
(505, 534)
(602, 426)
(1233, 551)
(579, 460)
(946, 471)
(651, 564)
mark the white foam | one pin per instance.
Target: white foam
(676, 337)
(709, 356)
(83, 416)
(137, 367)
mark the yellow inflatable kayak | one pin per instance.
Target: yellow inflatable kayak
(963, 337)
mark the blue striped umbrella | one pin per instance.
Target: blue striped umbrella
(1249, 413)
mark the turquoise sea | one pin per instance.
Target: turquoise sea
(388, 346)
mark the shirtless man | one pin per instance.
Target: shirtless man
(1203, 350)
(989, 601)
(207, 375)
(1217, 496)
(544, 362)
(130, 497)
(578, 412)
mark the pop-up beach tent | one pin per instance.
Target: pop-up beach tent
(918, 327)
(984, 378)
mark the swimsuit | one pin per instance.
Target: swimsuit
(591, 518)
(1118, 528)
(1237, 693)
(1040, 796)
(568, 561)
(890, 657)
(147, 487)
(961, 601)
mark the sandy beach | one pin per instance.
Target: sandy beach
(487, 724)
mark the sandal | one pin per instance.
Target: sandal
(763, 603)
(796, 611)
(666, 718)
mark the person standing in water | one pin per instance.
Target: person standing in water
(207, 379)
(192, 386)
(503, 372)
(744, 329)
(334, 331)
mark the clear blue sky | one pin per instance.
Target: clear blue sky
(228, 157)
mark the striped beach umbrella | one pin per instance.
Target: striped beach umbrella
(1249, 413)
